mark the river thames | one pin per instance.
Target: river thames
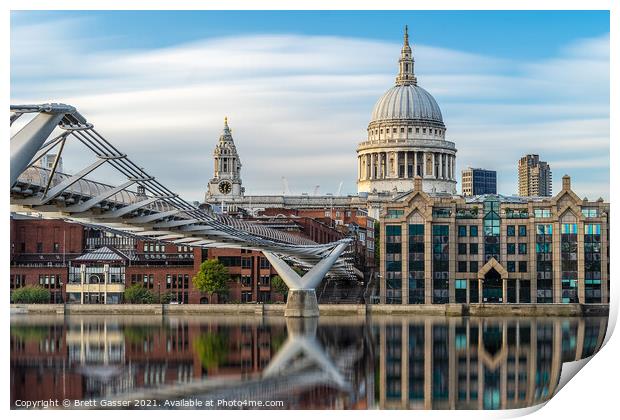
(198, 362)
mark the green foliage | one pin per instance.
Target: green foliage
(278, 285)
(30, 333)
(278, 338)
(212, 278)
(137, 334)
(165, 298)
(31, 294)
(138, 294)
(212, 349)
(299, 271)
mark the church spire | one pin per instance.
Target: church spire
(226, 134)
(405, 63)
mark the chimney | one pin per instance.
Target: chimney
(566, 182)
(417, 183)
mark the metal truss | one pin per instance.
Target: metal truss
(140, 206)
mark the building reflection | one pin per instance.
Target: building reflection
(479, 363)
(386, 362)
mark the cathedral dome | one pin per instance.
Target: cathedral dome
(407, 102)
(406, 138)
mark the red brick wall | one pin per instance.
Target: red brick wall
(49, 232)
(29, 232)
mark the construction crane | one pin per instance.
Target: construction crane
(339, 189)
(316, 190)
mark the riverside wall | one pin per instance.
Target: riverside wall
(475, 310)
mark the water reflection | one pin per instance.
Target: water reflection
(350, 363)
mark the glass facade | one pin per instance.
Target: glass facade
(416, 263)
(393, 361)
(441, 263)
(592, 261)
(460, 291)
(544, 263)
(416, 362)
(568, 249)
(491, 229)
(393, 263)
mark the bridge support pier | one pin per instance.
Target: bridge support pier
(301, 303)
(302, 300)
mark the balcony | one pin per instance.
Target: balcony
(516, 213)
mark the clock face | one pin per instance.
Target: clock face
(225, 187)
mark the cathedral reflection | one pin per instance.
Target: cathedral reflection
(386, 362)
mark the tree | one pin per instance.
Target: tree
(165, 298)
(212, 349)
(278, 285)
(212, 278)
(138, 294)
(31, 294)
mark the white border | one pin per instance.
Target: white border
(591, 394)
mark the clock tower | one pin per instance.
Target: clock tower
(226, 181)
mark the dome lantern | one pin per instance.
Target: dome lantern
(406, 62)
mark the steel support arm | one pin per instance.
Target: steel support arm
(312, 278)
(27, 141)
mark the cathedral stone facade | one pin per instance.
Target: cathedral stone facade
(406, 138)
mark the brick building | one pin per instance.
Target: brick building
(81, 264)
(330, 224)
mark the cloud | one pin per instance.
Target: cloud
(299, 105)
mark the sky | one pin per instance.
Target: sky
(298, 88)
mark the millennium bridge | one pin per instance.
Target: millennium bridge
(143, 207)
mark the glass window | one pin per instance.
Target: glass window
(522, 230)
(462, 230)
(589, 212)
(473, 266)
(473, 231)
(462, 249)
(569, 228)
(473, 249)
(593, 229)
(510, 230)
(544, 229)
(538, 213)
(510, 249)
(522, 249)
(462, 266)
(510, 266)
(394, 214)
(522, 266)
(442, 212)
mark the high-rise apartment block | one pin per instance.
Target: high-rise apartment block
(534, 177)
